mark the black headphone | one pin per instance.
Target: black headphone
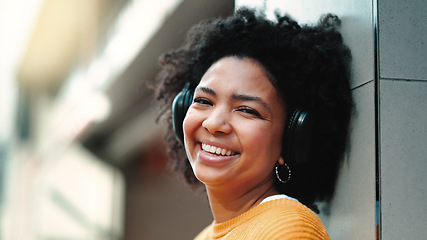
(180, 105)
(298, 134)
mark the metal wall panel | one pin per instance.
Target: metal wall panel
(403, 114)
(351, 214)
(402, 39)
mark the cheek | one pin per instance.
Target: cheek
(266, 140)
(190, 126)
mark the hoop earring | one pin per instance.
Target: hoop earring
(278, 175)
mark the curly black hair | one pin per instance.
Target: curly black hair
(308, 65)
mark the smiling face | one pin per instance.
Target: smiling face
(233, 130)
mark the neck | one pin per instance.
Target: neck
(229, 203)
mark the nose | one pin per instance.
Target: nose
(218, 121)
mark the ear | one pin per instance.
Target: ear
(281, 161)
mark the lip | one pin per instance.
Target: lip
(214, 159)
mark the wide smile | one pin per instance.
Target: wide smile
(217, 150)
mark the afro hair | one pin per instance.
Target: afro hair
(308, 65)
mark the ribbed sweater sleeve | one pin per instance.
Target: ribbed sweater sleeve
(282, 219)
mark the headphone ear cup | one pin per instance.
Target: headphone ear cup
(180, 105)
(298, 137)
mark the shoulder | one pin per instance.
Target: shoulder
(205, 233)
(289, 219)
(281, 219)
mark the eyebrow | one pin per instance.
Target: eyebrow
(238, 97)
(207, 90)
(245, 97)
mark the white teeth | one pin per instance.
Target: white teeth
(216, 150)
(224, 151)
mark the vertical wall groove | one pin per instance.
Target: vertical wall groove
(377, 117)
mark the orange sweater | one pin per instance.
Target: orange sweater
(280, 219)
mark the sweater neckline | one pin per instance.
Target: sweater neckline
(220, 229)
(277, 196)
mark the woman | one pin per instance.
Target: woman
(261, 121)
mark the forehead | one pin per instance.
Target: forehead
(243, 80)
(243, 72)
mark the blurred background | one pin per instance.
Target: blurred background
(81, 156)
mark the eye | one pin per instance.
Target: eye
(203, 101)
(250, 111)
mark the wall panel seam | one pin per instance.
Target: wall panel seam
(361, 85)
(378, 212)
(403, 80)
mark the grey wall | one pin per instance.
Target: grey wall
(403, 118)
(351, 214)
(388, 142)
